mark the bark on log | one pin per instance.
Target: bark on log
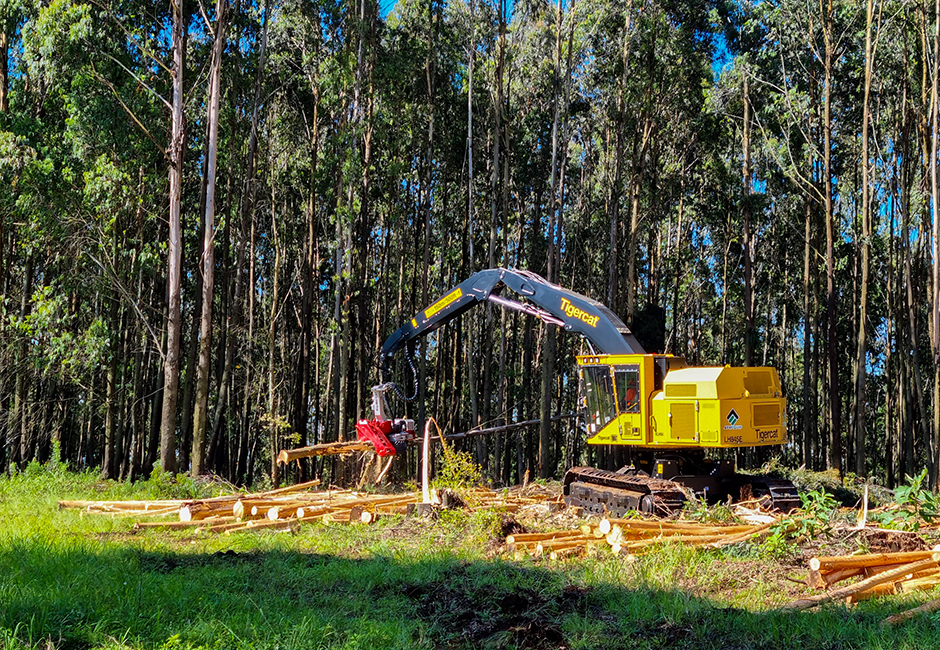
(832, 563)
(124, 505)
(538, 537)
(818, 580)
(140, 525)
(881, 578)
(686, 528)
(926, 608)
(196, 510)
(886, 589)
(328, 449)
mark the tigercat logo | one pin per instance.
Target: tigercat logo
(574, 312)
(732, 421)
(454, 295)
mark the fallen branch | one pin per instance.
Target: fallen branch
(926, 608)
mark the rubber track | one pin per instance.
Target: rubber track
(667, 495)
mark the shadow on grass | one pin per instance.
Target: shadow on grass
(126, 597)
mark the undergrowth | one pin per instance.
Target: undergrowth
(69, 581)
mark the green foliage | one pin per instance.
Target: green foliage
(60, 29)
(846, 490)
(458, 471)
(913, 506)
(779, 547)
(165, 485)
(813, 519)
(698, 509)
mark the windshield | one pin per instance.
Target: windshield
(598, 392)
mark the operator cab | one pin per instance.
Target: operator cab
(616, 391)
(654, 400)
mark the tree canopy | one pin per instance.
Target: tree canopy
(742, 182)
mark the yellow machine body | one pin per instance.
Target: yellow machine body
(657, 401)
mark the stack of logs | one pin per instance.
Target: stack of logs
(628, 537)
(278, 509)
(881, 574)
(286, 507)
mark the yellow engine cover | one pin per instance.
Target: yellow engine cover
(716, 407)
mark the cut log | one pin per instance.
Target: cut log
(196, 510)
(563, 553)
(124, 505)
(685, 528)
(562, 544)
(538, 537)
(367, 517)
(327, 449)
(886, 589)
(921, 583)
(881, 578)
(832, 563)
(926, 608)
(172, 525)
(819, 580)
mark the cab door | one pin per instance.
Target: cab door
(629, 401)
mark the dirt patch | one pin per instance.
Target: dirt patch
(115, 534)
(509, 526)
(742, 576)
(167, 562)
(889, 541)
(462, 615)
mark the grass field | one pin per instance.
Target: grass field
(69, 581)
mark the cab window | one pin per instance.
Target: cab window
(627, 383)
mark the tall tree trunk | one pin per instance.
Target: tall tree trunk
(636, 183)
(309, 283)
(809, 393)
(248, 233)
(835, 397)
(861, 371)
(616, 187)
(748, 244)
(470, 194)
(4, 74)
(548, 349)
(273, 420)
(19, 428)
(200, 411)
(933, 443)
(109, 462)
(176, 151)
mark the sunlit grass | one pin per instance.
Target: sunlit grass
(73, 581)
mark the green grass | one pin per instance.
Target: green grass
(69, 581)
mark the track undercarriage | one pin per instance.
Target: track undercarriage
(658, 485)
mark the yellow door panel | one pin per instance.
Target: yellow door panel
(683, 421)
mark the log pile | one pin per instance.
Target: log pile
(279, 509)
(536, 498)
(629, 537)
(879, 574)
(285, 508)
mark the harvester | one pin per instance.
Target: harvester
(665, 413)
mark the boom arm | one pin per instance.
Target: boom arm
(549, 302)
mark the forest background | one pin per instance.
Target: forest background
(212, 216)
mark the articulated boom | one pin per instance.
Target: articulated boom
(549, 302)
(666, 412)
